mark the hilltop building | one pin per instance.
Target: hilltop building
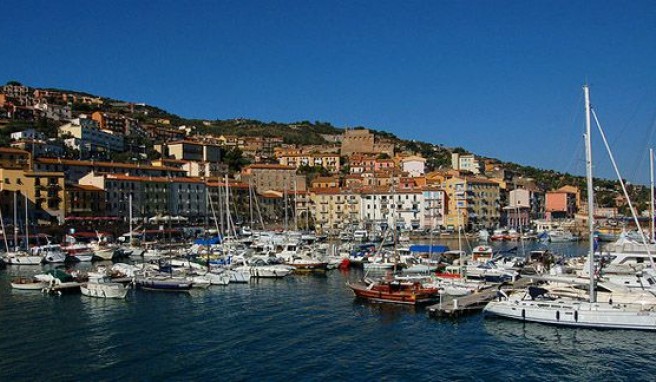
(466, 162)
(364, 141)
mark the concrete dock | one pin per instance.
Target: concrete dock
(451, 306)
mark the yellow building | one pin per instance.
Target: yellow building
(45, 192)
(472, 202)
(328, 161)
(333, 209)
(15, 158)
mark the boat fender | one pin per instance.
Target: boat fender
(557, 315)
(576, 315)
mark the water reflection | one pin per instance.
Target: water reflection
(556, 338)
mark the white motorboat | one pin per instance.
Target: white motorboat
(78, 253)
(52, 253)
(199, 282)
(218, 277)
(561, 236)
(239, 276)
(103, 287)
(490, 272)
(258, 267)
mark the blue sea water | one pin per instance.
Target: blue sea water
(307, 328)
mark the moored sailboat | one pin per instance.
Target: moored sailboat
(537, 305)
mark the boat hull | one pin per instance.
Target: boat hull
(164, 285)
(104, 290)
(310, 267)
(267, 271)
(383, 293)
(103, 254)
(23, 260)
(588, 315)
(29, 285)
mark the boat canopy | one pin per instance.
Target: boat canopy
(422, 248)
(209, 241)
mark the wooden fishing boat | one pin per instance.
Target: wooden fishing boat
(394, 291)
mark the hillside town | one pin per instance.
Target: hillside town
(74, 159)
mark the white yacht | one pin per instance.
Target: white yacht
(535, 305)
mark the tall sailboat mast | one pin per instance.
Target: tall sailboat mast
(4, 232)
(651, 192)
(16, 229)
(588, 171)
(27, 228)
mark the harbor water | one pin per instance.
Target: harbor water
(299, 328)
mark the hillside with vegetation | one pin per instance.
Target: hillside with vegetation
(309, 133)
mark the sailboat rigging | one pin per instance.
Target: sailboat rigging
(535, 304)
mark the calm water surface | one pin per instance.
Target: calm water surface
(300, 328)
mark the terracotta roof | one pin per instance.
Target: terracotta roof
(153, 179)
(471, 179)
(181, 161)
(13, 150)
(271, 167)
(413, 158)
(191, 143)
(74, 162)
(241, 186)
(320, 179)
(83, 187)
(330, 190)
(312, 155)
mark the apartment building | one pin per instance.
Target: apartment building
(76, 169)
(334, 209)
(472, 203)
(467, 162)
(87, 137)
(45, 193)
(85, 201)
(151, 196)
(273, 177)
(329, 162)
(194, 151)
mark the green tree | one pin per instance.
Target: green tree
(234, 159)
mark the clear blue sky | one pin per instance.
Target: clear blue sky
(500, 78)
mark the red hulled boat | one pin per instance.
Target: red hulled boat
(394, 291)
